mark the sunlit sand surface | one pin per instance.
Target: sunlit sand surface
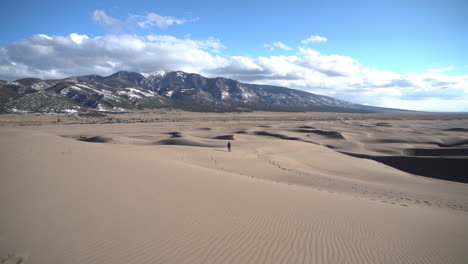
(162, 188)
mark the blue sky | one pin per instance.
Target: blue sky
(408, 54)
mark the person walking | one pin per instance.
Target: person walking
(229, 146)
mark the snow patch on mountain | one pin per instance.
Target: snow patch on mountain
(135, 93)
(160, 73)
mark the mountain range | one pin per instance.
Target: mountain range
(126, 91)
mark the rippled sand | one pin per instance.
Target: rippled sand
(167, 190)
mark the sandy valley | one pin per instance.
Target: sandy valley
(296, 188)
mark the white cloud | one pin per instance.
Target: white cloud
(77, 38)
(314, 39)
(153, 19)
(334, 75)
(443, 69)
(278, 45)
(109, 23)
(211, 44)
(60, 56)
(331, 65)
(135, 21)
(431, 104)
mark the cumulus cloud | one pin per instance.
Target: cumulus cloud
(77, 38)
(278, 45)
(334, 75)
(60, 56)
(314, 39)
(147, 21)
(330, 65)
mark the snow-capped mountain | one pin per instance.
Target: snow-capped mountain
(130, 90)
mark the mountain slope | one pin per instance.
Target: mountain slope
(129, 90)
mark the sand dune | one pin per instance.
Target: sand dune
(454, 143)
(187, 200)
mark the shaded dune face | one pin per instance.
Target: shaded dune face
(457, 129)
(329, 134)
(437, 152)
(444, 168)
(186, 142)
(384, 124)
(264, 133)
(224, 137)
(95, 139)
(175, 134)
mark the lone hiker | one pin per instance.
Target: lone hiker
(229, 146)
